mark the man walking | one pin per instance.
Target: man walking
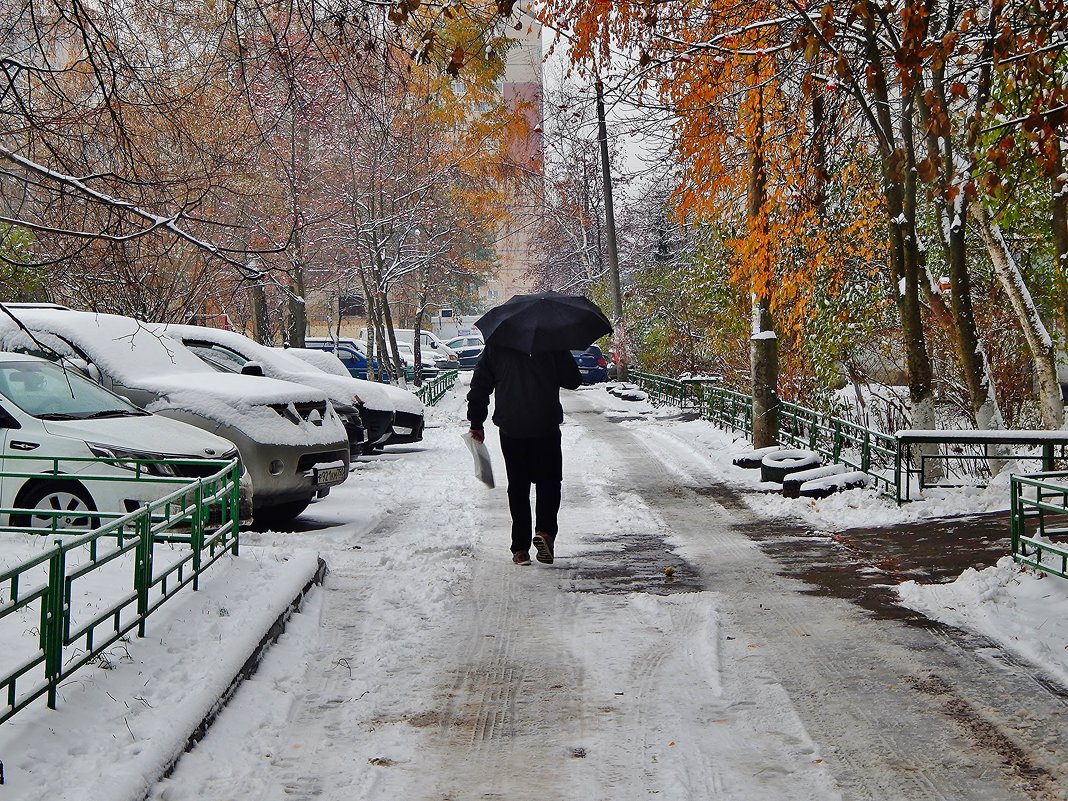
(528, 413)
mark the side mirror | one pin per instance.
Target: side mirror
(434, 345)
(252, 368)
(88, 369)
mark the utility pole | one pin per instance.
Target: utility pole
(618, 336)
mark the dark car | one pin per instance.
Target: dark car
(350, 354)
(592, 364)
(468, 350)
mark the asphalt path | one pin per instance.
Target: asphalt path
(905, 708)
(769, 663)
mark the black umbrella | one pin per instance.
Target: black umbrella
(544, 322)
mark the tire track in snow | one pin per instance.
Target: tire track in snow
(857, 683)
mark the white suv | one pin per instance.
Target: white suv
(54, 420)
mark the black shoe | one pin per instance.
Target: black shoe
(544, 545)
(522, 558)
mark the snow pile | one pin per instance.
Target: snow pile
(1022, 609)
(120, 722)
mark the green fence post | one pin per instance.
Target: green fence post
(143, 567)
(1015, 522)
(196, 531)
(1047, 457)
(865, 452)
(897, 472)
(52, 616)
(235, 507)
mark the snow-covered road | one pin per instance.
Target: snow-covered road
(668, 653)
(429, 667)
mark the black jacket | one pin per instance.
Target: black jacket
(527, 390)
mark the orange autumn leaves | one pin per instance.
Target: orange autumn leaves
(745, 139)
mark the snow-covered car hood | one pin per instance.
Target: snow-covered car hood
(266, 413)
(152, 434)
(403, 400)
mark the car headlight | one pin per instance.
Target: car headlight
(118, 457)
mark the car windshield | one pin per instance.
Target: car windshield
(217, 356)
(51, 393)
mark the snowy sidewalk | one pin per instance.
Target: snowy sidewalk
(428, 667)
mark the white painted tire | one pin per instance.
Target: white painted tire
(777, 465)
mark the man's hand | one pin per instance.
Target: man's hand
(478, 435)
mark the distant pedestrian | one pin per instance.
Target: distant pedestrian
(528, 413)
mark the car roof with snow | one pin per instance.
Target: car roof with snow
(282, 365)
(133, 355)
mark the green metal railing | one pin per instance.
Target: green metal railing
(662, 389)
(843, 442)
(1039, 515)
(434, 390)
(837, 440)
(1039, 501)
(198, 523)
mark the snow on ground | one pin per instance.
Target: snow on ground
(118, 723)
(1024, 610)
(423, 620)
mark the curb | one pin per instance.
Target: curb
(247, 670)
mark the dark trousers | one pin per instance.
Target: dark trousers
(537, 461)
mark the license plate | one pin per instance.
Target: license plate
(329, 476)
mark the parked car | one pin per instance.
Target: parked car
(468, 350)
(291, 441)
(352, 355)
(390, 414)
(592, 364)
(321, 359)
(329, 363)
(407, 352)
(364, 406)
(54, 413)
(444, 357)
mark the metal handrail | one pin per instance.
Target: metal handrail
(434, 390)
(1031, 526)
(202, 514)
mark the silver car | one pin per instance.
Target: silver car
(289, 437)
(405, 410)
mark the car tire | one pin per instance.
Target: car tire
(775, 466)
(278, 515)
(55, 495)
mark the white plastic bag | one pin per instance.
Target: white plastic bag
(483, 466)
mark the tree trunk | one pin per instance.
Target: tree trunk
(1038, 339)
(952, 203)
(763, 353)
(763, 349)
(261, 321)
(1059, 213)
(619, 338)
(298, 310)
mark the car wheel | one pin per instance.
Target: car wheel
(279, 514)
(69, 497)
